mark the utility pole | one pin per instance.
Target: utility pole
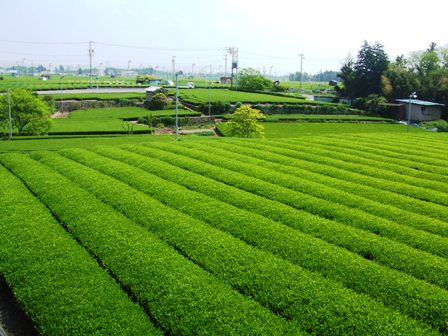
(236, 68)
(173, 62)
(301, 69)
(225, 66)
(90, 61)
(62, 98)
(177, 74)
(9, 115)
(234, 52)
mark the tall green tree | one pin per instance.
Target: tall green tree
(245, 124)
(30, 114)
(347, 76)
(252, 80)
(398, 81)
(372, 62)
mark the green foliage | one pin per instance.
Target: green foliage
(402, 82)
(364, 76)
(144, 79)
(201, 97)
(109, 120)
(57, 282)
(441, 125)
(158, 102)
(375, 104)
(343, 234)
(314, 108)
(245, 124)
(390, 288)
(371, 63)
(50, 101)
(325, 117)
(347, 75)
(182, 230)
(216, 107)
(30, 114)
(299, 129)
(252, 80)
(279, 88)
(183, 298)
(100, 96)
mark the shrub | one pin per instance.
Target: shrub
(217, 107)
(158, 102)
(441, 125)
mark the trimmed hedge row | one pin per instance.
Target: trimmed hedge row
(432, 145)
(307, 108)
(271, 184)
(389, 286)
(421, 188)
(60, 286)
(409, 150)
(418, 214)
(412, 165)
(271, 281)
(180, 296)
(367, 175)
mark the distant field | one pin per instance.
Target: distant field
(60, 142)
(332, 235)
(107, 120)
(81, 82)
(99, 96)
(68, 82)
(201, 96)
(297, 129)
(307, 85)
(319, 117)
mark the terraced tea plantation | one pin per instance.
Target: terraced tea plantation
(202, 96)
(324, 235)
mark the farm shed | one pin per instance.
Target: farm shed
(421, 110)
(150, 91)
(44, 77)
(225, 80)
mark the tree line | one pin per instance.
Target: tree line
(373, 77)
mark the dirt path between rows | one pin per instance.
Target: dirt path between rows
(13, 321)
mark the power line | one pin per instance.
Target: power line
(34, 42)
(153, 48)
(290, 58)
(44, 55)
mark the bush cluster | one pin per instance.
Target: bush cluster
(308, 109)
(165, 120)
(216, 107)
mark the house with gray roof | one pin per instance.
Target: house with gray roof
(421, 110)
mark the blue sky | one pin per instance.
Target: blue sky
(269, 34)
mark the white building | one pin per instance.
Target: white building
(421, 110)
(150, 91)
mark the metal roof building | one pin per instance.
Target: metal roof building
(421, 110)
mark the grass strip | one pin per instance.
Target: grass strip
(179, 295)
(353, 271)
(308, 299)
(60, 286)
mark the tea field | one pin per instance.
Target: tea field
(202, 96)
(338, 234)
(284, 129)
(109, 120)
